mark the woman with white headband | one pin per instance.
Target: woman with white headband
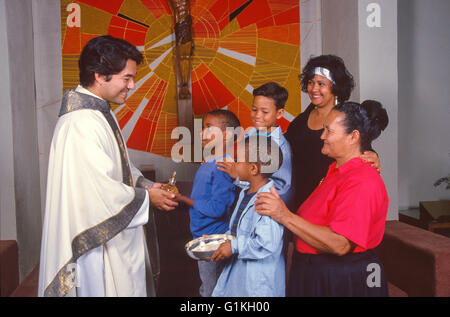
(327, 82)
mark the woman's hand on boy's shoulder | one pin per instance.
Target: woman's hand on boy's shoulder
(227, 167)
(270, 204)
(372, 157)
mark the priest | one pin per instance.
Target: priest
(97, 209)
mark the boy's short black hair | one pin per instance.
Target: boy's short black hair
(272, 90)
(229, 118)
(262, 150)
(105, 55)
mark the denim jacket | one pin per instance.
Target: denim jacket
(257, 266)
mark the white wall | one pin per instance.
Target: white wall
(424, 100)
(371, 56)
(378, 80)
(310, 36)
(19, 76)
(419, 152)
(341, 35)
(47, 61)
(8, 229)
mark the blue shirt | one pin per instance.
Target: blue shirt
(257, 266)
(213, 193)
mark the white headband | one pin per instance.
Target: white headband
(324, 72)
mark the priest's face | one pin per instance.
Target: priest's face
(116, 89)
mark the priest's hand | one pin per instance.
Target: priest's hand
(224, 251)
(161, 199)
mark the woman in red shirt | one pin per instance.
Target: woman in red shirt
(340, 223)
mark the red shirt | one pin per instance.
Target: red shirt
(352, 201)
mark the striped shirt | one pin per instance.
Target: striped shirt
(244, 202)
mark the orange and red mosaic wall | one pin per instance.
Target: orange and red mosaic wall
(238, 46)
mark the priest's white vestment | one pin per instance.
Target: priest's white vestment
(93, 241)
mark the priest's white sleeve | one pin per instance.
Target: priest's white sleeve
(141, 217)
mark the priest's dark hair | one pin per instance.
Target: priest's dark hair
(105, 55)
(344, 83)
(272, 90)
(369, 118)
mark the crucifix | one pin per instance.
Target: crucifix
(184, 46)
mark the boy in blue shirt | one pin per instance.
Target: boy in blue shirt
(268, 107)
(213, 191)
(254, 262)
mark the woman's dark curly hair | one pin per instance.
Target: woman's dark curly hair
(344, 82)
(369, 118)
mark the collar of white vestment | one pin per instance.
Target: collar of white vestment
(73, 100)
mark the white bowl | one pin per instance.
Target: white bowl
(201, 249)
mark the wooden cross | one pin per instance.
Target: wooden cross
(184, 47)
